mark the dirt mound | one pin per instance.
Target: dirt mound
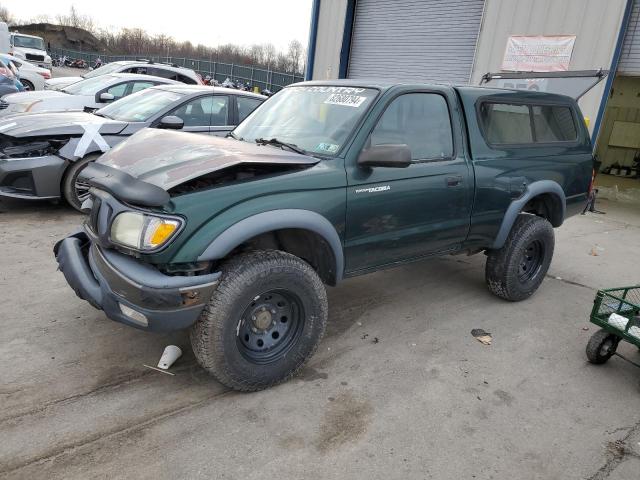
(58, 36)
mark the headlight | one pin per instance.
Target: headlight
(143, 232)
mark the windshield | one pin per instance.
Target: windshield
(317, 119)
(89, 86)
(140, 106)
(108, 68)
(28, 42)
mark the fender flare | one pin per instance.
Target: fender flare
(276, 220)
(516, 206)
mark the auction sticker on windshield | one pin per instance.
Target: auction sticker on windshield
(345, 100)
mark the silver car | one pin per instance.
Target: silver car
(142, 67)
(89, 94)
(41, 154)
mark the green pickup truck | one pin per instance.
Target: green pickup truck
(236, 238)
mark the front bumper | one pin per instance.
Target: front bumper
(35, 178)
(109, 280)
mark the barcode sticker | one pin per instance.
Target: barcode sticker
(345, 100)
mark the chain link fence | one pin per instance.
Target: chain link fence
(256, 77)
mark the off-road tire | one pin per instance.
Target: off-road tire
(215, 337)
(596, 348)
(504, 269)
(69, 180)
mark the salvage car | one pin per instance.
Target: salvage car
(41, 154)
(89, 94)
(31, 76)
(142, 67)
(235, 238)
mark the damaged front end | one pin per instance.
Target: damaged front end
(103, 262)
(30, 168)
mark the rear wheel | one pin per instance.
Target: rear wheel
(75, 192)
(263, 322)
(515, 271)
(28, 86)
(601, 347)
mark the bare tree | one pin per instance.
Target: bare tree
(294, 55)
(6, 16)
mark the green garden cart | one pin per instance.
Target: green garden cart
(617, 312)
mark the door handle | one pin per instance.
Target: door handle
(454, 181)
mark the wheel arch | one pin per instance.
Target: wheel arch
(303, 233)
(544, 198)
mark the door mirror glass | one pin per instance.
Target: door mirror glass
(391, 156)
(171, 122)
(106, 97)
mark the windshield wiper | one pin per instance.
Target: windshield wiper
(97, 113)
(277, 143)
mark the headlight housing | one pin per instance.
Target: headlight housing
(143, 232)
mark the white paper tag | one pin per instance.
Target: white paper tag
(345, 100)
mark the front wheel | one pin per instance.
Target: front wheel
(28, 86)
(263, 322)
(515, 271)
(75, 192)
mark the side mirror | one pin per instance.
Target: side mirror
(391, 156)
(171, 122)
(106, 97)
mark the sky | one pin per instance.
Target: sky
(209, 22)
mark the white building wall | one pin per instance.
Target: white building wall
(596, 24)
(329, 40)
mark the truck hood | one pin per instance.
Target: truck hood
(166, 159)
(57, 124)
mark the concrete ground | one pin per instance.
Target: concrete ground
(398, 389)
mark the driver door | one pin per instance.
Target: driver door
(398, 214)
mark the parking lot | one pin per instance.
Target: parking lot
(398, 389)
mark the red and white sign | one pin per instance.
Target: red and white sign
(538, 53)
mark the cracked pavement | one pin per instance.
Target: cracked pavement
(425, 401)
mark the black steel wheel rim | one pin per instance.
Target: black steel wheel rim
(270, 326)
(531, 261)
(606, 348)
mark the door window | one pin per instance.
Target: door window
(118, 90)
(246, 105)
(204, 111)
(419, 120)
(137, 86)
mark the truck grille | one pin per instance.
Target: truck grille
(3, 105)
(37, 58)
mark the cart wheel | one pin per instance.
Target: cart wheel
(602, 345)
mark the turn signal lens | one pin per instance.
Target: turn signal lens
(158, 231)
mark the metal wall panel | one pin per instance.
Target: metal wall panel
(630, 55)
(329, 39)
(595, 23)
(415, 40)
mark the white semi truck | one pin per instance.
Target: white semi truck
(26, 47)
